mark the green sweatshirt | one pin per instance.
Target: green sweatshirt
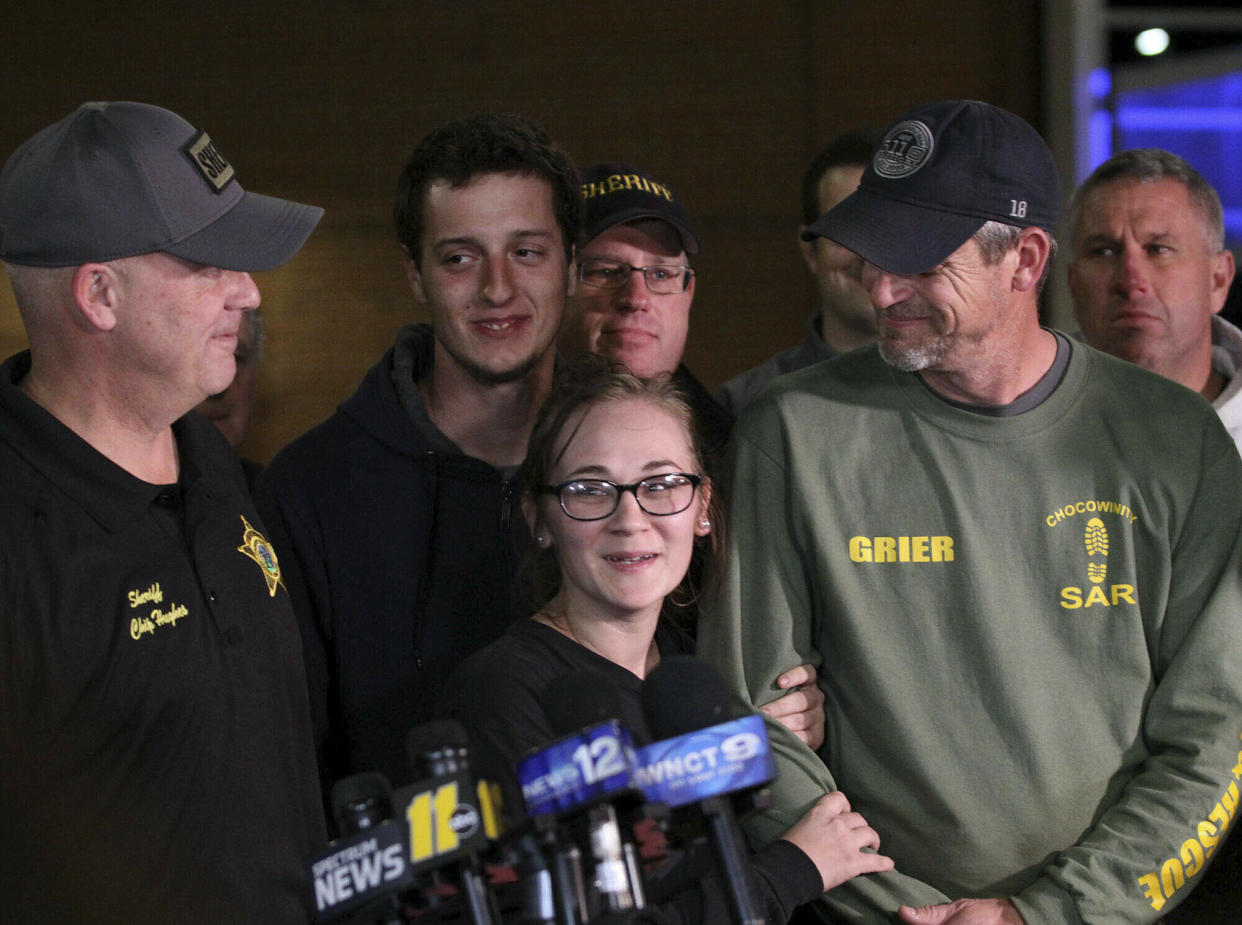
(1028, 630)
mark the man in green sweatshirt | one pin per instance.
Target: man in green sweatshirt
(1015, 559)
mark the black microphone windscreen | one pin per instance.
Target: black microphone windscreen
(682, 694)
(580, 699)
(435, 743)
(361, 801)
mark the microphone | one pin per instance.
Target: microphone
(450, 819)
(575, 784)
(361, 873)
(703, 757)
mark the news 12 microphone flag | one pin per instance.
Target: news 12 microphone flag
(584, 767)
(578, 769)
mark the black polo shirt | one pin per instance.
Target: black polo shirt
(155, 749)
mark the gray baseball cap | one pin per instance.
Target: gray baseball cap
(113, 180)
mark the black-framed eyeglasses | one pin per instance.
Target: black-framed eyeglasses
(595, 499)
(605, 273)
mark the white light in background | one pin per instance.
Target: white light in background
(1151, 41)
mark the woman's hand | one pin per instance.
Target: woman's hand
(834, 838)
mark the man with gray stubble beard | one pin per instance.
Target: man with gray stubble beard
(1022, 591)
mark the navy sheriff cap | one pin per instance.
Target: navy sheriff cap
(941, 171)
(616, 193)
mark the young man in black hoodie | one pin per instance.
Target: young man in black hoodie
(396, 519)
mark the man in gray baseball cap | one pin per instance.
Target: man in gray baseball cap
(1017, 557)
(155, 750)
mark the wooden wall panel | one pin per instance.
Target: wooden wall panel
(322, 101)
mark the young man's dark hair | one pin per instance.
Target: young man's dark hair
(480, 144)
(850, 148)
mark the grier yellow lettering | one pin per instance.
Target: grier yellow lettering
(886, 549)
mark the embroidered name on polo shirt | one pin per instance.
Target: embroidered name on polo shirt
(157, 617)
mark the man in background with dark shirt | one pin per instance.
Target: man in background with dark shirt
(844, 319)
(637, 286)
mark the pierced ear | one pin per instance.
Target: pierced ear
(530, 511)
(97, 293)
(1034, 251)
(703, 525)
(414, 277)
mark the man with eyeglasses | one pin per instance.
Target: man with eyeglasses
(632, 305)
(637, 285)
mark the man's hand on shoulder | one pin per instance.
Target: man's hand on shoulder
(801, 709)
(964, 912)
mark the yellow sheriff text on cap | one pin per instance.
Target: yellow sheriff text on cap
(620, 182)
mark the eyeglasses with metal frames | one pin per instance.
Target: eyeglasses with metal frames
(595, 499)
(605, 273)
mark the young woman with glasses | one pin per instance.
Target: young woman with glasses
(614, 492)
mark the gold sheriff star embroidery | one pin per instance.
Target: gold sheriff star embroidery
(255, 546)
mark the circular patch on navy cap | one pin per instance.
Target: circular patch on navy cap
(905, 149)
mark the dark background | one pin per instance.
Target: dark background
(322, 102)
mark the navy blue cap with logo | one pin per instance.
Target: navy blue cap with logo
(616, 193)
(119, 179)
(939, 173)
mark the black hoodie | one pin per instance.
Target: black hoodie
(400, 555)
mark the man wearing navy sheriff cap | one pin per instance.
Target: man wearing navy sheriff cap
(637, 285)
(1015, 558)
(156, 762)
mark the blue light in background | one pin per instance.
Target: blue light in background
(1100, 83)
(1200, 120)
(1100, 140)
